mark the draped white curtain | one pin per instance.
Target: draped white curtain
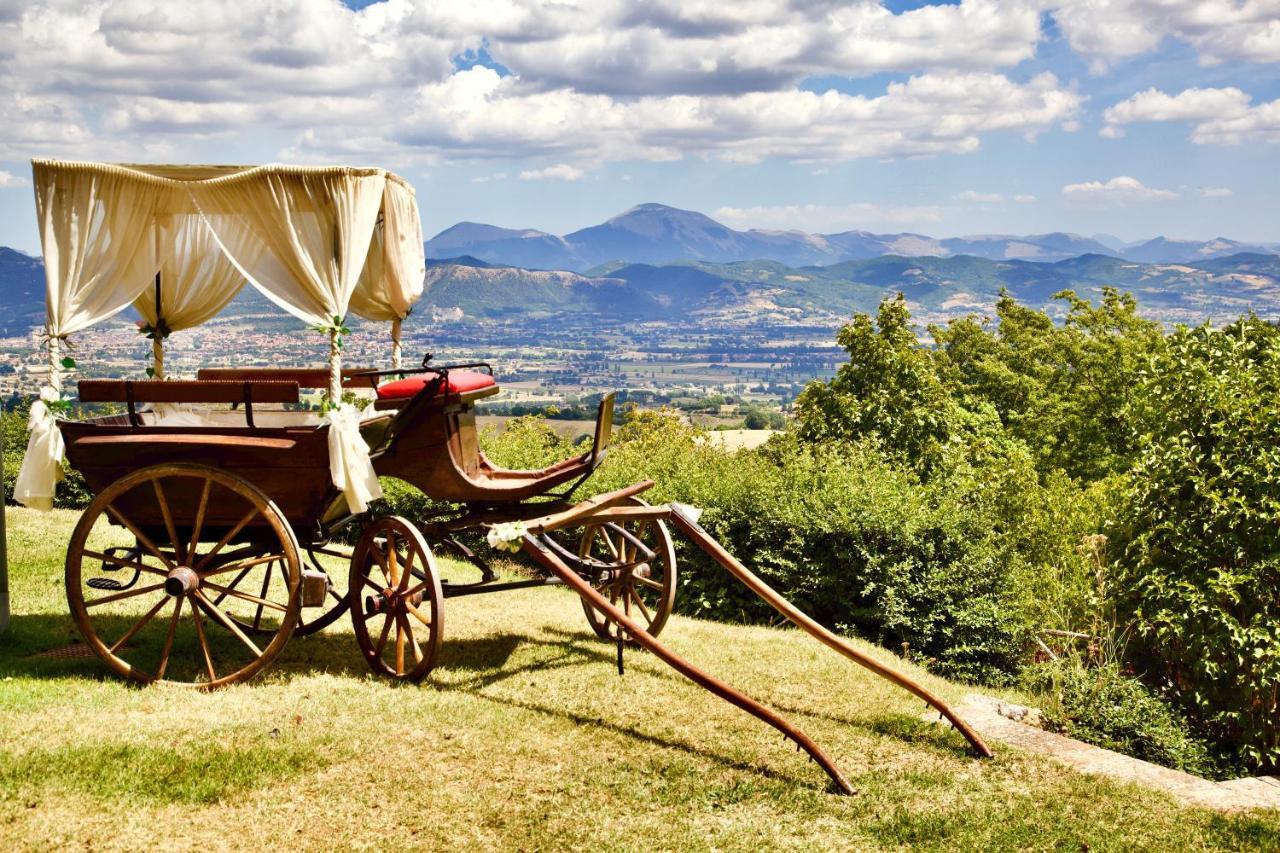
(196, 278)
(95, 230)
(302, 236)
(396, 267)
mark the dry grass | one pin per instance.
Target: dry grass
(525, 737)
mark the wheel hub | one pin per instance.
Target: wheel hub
(182, 580)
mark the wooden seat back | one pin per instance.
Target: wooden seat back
(604, 430)
(186, 391)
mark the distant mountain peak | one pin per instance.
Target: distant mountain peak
(656, 233)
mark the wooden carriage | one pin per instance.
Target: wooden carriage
(188, 565)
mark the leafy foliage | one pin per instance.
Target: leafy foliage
(1102, 706)
(1063, 390)
(1200, 566)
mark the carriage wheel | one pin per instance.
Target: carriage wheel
(635, 568)
(147, 572)
(395, 597)
(313, 619)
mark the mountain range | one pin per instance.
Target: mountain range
(724, 294)
(658, 234)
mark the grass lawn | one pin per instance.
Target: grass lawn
(525, 737)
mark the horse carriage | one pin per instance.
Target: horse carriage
(188, 565)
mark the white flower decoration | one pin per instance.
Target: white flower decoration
(49, 394)
(507, 536)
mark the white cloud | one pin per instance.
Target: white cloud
(8, 179)
(608, 80)
(975, 196)
(1218, 30)
(1188, 105)
(484, 114)
(1024, 199)
(558, 172)
(1223, 116)
(1216, 192)
(826, 218)
(1118, 190)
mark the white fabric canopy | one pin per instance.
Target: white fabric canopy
(96, 234)
(316, 241)
(196, 279)
(396, 269)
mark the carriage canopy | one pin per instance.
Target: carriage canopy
(179, 241)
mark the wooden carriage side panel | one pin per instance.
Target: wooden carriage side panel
(290, 465)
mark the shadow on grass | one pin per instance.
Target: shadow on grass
(482, 663)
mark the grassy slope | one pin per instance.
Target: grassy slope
(525, 737)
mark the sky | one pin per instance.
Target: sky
(1093, 116)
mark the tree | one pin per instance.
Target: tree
(1063, 390)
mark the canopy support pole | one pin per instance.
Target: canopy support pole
(396, 353)
(55, 362)
(157, 344)
(335, 368)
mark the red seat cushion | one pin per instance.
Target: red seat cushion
(460, 382)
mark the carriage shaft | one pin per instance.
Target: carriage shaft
(545, 557)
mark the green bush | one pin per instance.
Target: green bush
(1200, 564)
(1102, 706)
(853, 539)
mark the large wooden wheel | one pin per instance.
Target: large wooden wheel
(633, 564)
(147, 572)
(396, 601)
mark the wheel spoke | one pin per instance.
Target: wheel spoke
(179, 548)
(231, 534)
(399, 644)
(231, 567)
(137, 626)
(121, 561)
(393, 557)
(128, 593)
(204, 643)
(266, 585)
(235, 593)
(229, 624)
(234, 582)
(168, 640)
(608, 541)
(142, 538)
(199, 522)
(418, 614)
(649, 582)
(408, 630)
(386, 631)
(635, 596)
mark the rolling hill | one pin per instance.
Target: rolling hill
(938, 286)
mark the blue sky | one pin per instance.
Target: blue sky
(1092, 116)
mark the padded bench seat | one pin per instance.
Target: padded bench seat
(469, 382)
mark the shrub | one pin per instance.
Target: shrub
(1200, 563)
(852, 538)
(1102, 706)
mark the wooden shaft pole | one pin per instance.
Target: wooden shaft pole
(557, 567)
(717, 552)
